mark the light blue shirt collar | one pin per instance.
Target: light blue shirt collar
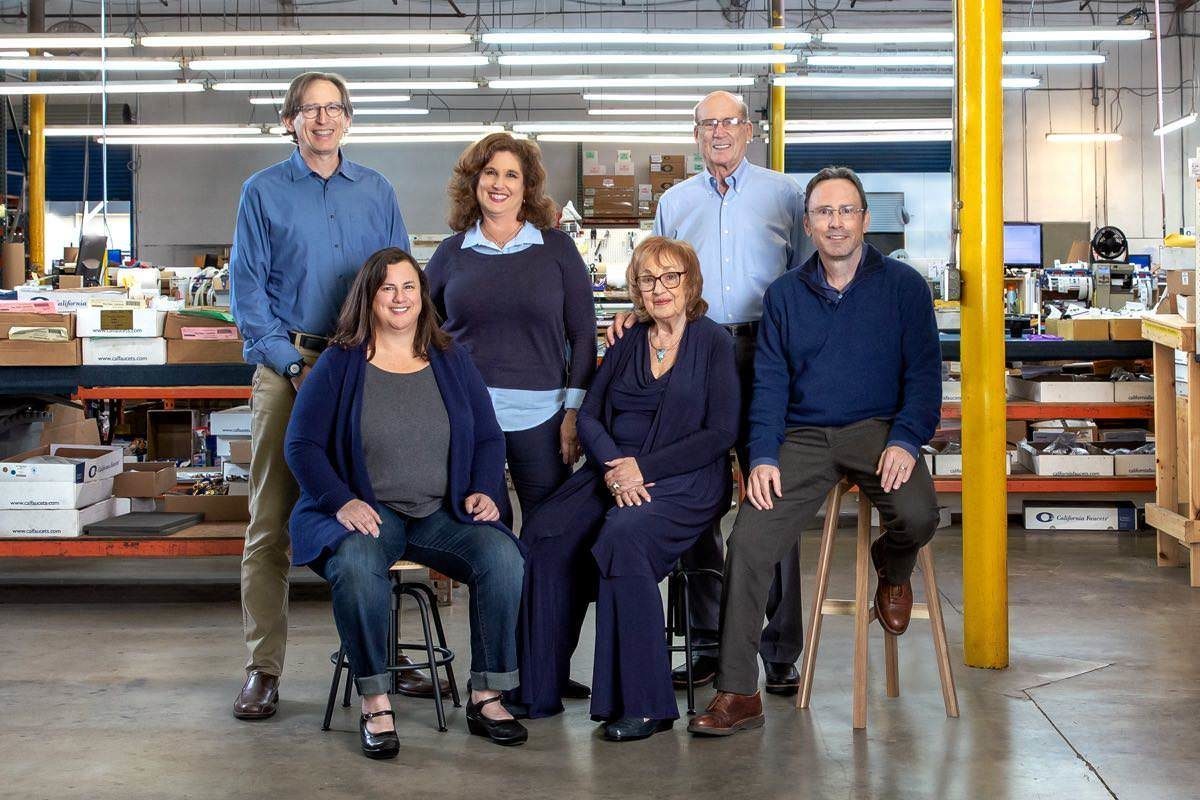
(736, 179)
(301, 169)
(528, 235)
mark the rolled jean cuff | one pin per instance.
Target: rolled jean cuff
(495, 681)
(374, 684)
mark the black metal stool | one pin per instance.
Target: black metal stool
(436, 655)
(679, 610)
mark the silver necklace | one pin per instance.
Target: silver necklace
(661, 352)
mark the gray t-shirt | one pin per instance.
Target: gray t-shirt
(406, 440)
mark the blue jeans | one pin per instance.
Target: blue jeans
(485, 558)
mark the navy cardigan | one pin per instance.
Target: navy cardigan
(324, 444)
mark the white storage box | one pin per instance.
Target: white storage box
(951, 391)
(223, 443)
(119, 322)
(953, 464)
(1095, 464)
(1133, 391)
(60, 495)
(92, 463)
(235, 472)
(1138, 465)
(129, 352)
(1057, 389)
(60, 523)
(1118, 515)
(68, 299)
(232, 422)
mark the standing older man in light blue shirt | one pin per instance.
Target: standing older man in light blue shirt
(746, 224)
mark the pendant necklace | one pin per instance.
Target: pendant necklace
(661, 352)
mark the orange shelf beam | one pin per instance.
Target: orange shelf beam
(1037, 484)
(87, 547)
(1018, 409)
(163, 393)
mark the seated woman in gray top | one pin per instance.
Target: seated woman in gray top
(396, 449)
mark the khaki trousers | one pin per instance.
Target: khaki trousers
(267, 556)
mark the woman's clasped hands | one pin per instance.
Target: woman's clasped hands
(624, 480)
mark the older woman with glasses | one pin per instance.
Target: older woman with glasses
(656, 426)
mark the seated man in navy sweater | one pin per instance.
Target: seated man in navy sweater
(847, 383)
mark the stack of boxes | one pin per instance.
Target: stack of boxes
(121, 332)
(56, 489)
(37, 336)
(201, 336)
(232, 430)
(665, 172)
(610, 196)
(616, 193)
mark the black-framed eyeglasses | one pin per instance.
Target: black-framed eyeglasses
(669, 279)
(332, 110)
(827, 213)
(711, 125)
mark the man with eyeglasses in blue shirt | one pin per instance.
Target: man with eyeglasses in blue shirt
(745, 223)
(304, 227)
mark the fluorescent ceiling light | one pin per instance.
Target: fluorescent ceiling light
(808, 125)
(1171, 127)
(153, 130)
(887, 82)
(366, 98)
(66, 63)
(732, 38)
(353, 86)
(866, 137)
(95, 87)
(1052, 59)
(1083, 136)
(614, 138)
(302, 39)
(639, 112)
(888, 37)
(460, 129)
(14, 54)
(149, 141)
(381, 112)
(63, 41)
(1076, 35)
(597, 82)
(946, 59)
(601, 97)
(563, 59)
(235, 63)
(603, 127)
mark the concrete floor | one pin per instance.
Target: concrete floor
(131, 699)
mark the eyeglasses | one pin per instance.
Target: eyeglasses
(827, 213)
(670, 280)
(710, 125)
(332, 110)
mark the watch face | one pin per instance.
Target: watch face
(293, 370)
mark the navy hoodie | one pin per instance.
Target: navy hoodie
(825, 362)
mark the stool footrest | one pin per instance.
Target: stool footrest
(847, 608)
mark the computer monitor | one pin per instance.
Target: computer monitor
(92, 258)
(1022, 244)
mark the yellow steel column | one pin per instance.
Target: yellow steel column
(778, 104)
(980, 113)
(36, 182)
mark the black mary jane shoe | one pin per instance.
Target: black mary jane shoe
(506, 732)
(385, 744)
(631, 729)
(574, 690)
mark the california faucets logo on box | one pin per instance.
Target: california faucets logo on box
(1044, 516)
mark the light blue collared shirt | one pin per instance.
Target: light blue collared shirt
(745, 239)
(520, 409)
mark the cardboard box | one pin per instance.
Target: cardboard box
(1185, 306)
(225, 444)
(169, 434)
(9, 320)
(624, 163)
(230, 422)
(1133, 391)
(70, 281)
(1059, 389)
(39, 354)
(215, 508)
(53, 494)
(609, 182)
(695, 163)
(1095, 464)
(66, 300)
(1180, 282)
(239, 451)
(231, 471)
(1117, 515)
(175, 322)
(59, 523)
(1046, 431)
(1015, 430)
(92, 463)
(1134, 465)
(951, 391)
(1078, 329)
(1126, 329)
(661, 165)
(85, 431)
(200, 351)
(145, 479)
(952, 464)
(119, 322)
(132, 351)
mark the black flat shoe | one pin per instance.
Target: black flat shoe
(378, 745)
(704, 670)
(630, 729)
(782, 678)
(506, 732)
(575, 690)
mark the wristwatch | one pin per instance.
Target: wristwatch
(294, 369)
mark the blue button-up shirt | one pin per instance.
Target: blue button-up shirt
(299, 242)
(521, 409)
(745, 239)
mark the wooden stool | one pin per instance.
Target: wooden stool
(863, 610)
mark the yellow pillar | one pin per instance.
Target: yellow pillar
(36, 182)
(980, 114)
(778, 104)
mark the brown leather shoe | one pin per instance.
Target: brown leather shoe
(415, 683)
(729, 713)
(259, 696)
(893, 601)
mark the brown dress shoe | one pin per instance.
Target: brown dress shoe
(729, 713)
(259, 696)
(893, 605)
(414, 683)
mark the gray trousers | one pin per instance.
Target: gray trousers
(811, 462)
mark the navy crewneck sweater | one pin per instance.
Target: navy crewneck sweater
(526, 318)
(826, 362)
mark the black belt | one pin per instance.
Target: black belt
(743, 329)
(307, 341)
